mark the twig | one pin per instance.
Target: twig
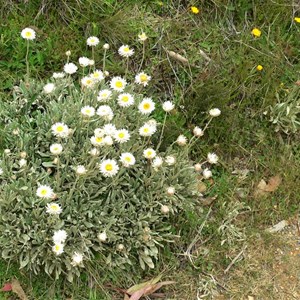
(234, 260)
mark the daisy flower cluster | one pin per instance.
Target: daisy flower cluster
(91, 175)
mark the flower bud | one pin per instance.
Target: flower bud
(198, 131)
(6, 151)
(102, 236)
(165, 209)
(171, 191)
(120, 247)
(106, 46)
(106, 73)
(207, 173)
(215, 112)
(68, 53)
(197, 167)
(23, 154)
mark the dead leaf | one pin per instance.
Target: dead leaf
(278, 227)
(178, 57)
(16, 288)
(264, 188)
(201, 187)
(208, 200)
(146, 288)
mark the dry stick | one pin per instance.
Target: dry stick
(234, 260)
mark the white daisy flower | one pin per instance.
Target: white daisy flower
(80, 170)
(207, 173)
(77, 259)
(97, 141)
(147, 130)
(109, 167)
(84, 61)
(105, 112)
(58, 75)
(44, 191)
(125, 100)
(170, 160)
(49, 88)
(146, 106)
(59, 236)
(109, 129)
(157, 162)
(125, 51)
(70, 68)
(102, 236)
(88, 111)
(142, 78)
(28, 34)
(118, 84)
(92, 41)
(60, 129)
(127, 159)
(104, 95)
(94, 152)
(53, 208)
(122, 136)
(58, 249)
(97, 76)
(181, 140)
(170, 190)
(142, 37)
(198, 131)
(212, 158)
(22, 162)
(56, 149)
(149, 153)
(87, 81)
(215, 112)
(23, 154)
(99, 132)
(108, 140)
(168, 106)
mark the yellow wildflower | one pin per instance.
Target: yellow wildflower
(297, 19)
(195, 10)
(256, 32)
(259, 68)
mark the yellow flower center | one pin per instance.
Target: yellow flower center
(92, 40)
(89, 81)
(146, 130)
(54, 207)
(99, 139)
(125, 98)
(44, 192)
(108, 167)
(146, 106)
(88, 111)
(59, 128)
(96, 75)
(126, 49)
(57, 247)
(128, 159)
(119, 84)
(143, 77)
(28, 33)
(121, 135)
(149, 153)
(194, 10)
(104, 95)
(256, 32)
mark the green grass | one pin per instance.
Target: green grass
(242, 136)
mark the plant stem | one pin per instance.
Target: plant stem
(142, 57)
(104, 57)
(27, 62)
(162, 131)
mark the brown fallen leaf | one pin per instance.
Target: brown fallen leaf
(177, 57)
(263, 188)
(16, 288)
(201, 187)
(208, 200)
